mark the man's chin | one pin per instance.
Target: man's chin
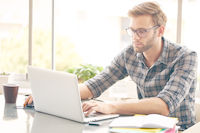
(137, 50)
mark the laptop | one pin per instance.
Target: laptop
(57, 93)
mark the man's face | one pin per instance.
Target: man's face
(143, 43)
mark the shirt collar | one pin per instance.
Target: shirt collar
(140, 56)
(165, 51)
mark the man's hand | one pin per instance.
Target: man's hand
(29, 100)
(96, 106)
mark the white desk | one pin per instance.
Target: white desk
(14, 120)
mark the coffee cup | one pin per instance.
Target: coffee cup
(10, 92)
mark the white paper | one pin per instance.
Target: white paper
(147, 121)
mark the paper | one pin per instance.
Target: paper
(137, 130)
(147, 121)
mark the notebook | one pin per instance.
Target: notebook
(57, 93)
(144, 121)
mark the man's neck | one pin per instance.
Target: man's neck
(153, 54)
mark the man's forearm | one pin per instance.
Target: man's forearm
(143, 106)
(85, 92)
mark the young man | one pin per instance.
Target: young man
(165, 73)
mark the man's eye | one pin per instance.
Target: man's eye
(141, 31)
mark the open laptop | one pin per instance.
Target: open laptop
(57, 93)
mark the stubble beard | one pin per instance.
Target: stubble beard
(149, 44)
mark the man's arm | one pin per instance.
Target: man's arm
(111, 74)
(152, 105)
(85, 92)
(145, 106)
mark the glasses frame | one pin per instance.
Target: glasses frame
(141, 32)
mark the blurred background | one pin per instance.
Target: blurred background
(81, 31)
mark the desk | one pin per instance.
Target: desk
(14, 120)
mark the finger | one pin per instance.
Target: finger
(26, 101)
(100, 108)
(87, 107)
(97, 109)
(84, 106)
(90, 111)
(30, 100)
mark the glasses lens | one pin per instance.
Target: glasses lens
(141, 32)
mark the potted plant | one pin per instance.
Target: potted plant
(85, 72)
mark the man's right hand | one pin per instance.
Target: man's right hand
(29, 100)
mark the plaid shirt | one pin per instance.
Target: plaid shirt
(172, 78)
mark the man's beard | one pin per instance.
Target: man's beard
(149, 44)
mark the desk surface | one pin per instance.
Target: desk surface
(30, 121)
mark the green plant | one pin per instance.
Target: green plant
(4, 73)
(85, 72)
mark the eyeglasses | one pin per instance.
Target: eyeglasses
(141, 32)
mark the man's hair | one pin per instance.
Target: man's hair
(149, 8)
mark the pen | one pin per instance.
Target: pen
(94, 124)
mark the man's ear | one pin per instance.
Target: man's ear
(161, 30)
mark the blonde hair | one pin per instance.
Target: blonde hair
(149, 8)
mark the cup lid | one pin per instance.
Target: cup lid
(11, 85)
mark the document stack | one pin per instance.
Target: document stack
(152, 123)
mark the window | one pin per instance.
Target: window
(88, 32)
(93, 31)
(13, 36)
(42, 31)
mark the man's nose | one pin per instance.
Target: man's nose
(135, 37)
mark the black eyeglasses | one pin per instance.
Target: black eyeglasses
(141, 32)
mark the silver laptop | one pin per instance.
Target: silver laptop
(57, 93)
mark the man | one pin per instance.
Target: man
(165, 73)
